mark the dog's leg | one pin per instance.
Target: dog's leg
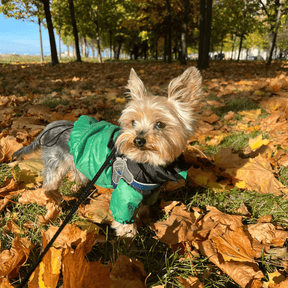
(124, 230)
(53, 178)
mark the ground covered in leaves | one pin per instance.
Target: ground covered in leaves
(225, 227)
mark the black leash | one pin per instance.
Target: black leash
(82, 197)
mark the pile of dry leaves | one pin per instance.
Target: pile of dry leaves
(98, 90)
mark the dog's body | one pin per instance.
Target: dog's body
(154, 132)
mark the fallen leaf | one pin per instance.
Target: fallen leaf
(235, 245)
(38, 196)
(12, 260)
(98, 210)
(241, 272)
(175, 228)
(8, 146)
(127, 272)
(190, 282)
(257, 142)
(51, 214)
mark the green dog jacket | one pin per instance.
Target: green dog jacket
(91, 143)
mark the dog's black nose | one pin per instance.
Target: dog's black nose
(139, 142)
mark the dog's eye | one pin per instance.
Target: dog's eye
(159, 125)
(133, 123)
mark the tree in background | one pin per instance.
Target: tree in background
(205, 32)
(273, 12)
(184, 32)
(282, 41)
(53, 49)
(153, 28)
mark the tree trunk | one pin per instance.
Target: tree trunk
(84, 47)
(169, 32)
(68, 51)
(233, 43)
(184, 33)
(53, 49)
(110, 40)
(242, 29)
(40, 36)
(97, 36)
(156, 48)
(119, 51)
(205, 32)
(75, 31)
(274, 33)
(165, 48)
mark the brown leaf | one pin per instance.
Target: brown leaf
(256, 174)
(5, 283)
(51, 214)
(190, 282)
(38, 196)
(47, 272)
(175, 228)
(201, 177)
(12, 260)
(128, 272)
(34, 165)
(263, 232)
(167, 206)
(78, 272)
(8, 146)
(226, 159)
(7, 186)
(229, 116)
(98, 210)
(211, 119)
(235, 245)
(12, 227)
(232, 221)
(241, 272)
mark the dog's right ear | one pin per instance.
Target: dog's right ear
(135, 86)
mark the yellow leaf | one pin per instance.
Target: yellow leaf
(240, 184)
(120, 100)
(274, 278)
(257, 142)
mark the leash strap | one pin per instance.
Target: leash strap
(82, 197)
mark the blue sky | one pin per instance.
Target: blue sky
(22, 37)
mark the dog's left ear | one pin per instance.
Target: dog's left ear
(136, 86)
(187, 87)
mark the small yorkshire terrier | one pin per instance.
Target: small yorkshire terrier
(150, 141)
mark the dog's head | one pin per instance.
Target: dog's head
(156, 128)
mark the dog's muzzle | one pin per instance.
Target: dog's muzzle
(139, 142)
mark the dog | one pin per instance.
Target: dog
(149, 143)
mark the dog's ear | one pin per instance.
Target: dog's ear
(136, 86)
(187, 87)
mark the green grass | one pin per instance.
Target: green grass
(236, 105)
(5, 172)
(164, 263)
(238, 141)
(54, 102)
(16, 59)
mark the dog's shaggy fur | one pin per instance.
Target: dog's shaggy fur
(155, 130)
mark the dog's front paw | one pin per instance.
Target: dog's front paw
(124, 230)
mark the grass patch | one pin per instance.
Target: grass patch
(54, 102)
(236, 105)
(5, 172)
